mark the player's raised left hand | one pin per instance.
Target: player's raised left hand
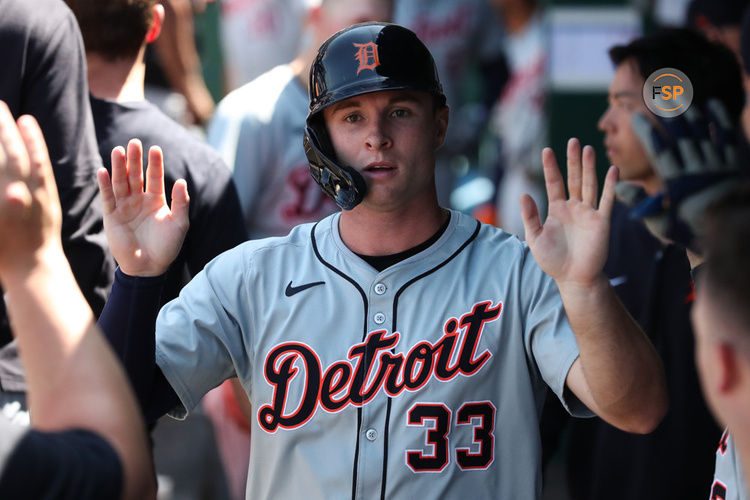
(144, 234)
(30, 215)
(572, 244)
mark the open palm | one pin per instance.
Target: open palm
(572, 244)
(144, 235)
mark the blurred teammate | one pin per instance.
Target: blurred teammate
(653, 280)
(44, 74)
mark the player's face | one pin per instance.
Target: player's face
(391, 138)
(623, 147)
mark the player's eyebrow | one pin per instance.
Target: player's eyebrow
(345, 104)
(354, 102)
(624, 93)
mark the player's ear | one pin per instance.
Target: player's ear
(442, 115)
(729, 369)
(156, 23)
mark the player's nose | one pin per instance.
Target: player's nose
(377, 136)
(605, 121)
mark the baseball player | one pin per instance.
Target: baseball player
(394, 349)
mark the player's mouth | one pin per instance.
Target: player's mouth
(380, 169)
(610, 150)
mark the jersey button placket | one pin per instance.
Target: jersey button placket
(373, 414)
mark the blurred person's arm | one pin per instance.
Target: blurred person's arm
(179, 59)
(74, 379)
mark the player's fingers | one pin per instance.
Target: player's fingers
(105, 188)
(553, 180)
(608, 192)
(135, 166)
(589, 183)
(15, 159)
(574, 168)
(40, 168)
(120, 185)
(180, 202)
(532, 225)
(155, 171)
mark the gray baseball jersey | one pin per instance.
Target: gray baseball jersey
(729, 480)
(258, 129)
(425, 380)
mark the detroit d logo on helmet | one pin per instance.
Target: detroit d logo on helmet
(367, 56)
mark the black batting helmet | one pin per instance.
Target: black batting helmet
(364, 58)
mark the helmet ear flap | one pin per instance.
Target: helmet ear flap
(343, 184)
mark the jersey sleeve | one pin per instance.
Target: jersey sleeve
(548, 337)
(223, 130)
(252, 163)
(200, 335)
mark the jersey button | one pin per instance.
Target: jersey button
(379, 318)
(380, 289)
(371, 434)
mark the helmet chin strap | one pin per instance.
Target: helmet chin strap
(345, 185)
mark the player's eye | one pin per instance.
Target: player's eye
(624, 104)
(400, 113)
(352, 118)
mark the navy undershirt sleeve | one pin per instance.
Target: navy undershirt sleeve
(129, 323)
(75, 464)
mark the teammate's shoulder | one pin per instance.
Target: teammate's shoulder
(257, 98)
(23, 17)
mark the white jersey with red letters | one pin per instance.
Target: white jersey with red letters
(424, 380)
(729, 480)
(258, 130)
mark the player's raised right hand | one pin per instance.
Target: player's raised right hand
(144, 234)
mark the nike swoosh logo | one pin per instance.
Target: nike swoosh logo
(292, 290)
(618, 280)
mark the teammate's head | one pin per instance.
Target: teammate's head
(332, 16)
(117, 29)
(721, 313)
(718, 21)
(712, 69)
(361, 59)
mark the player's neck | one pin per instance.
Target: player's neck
(121, 80)
(369, 232)
(741, 439)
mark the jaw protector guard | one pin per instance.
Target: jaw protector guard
(363, 58)
(344, 184)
